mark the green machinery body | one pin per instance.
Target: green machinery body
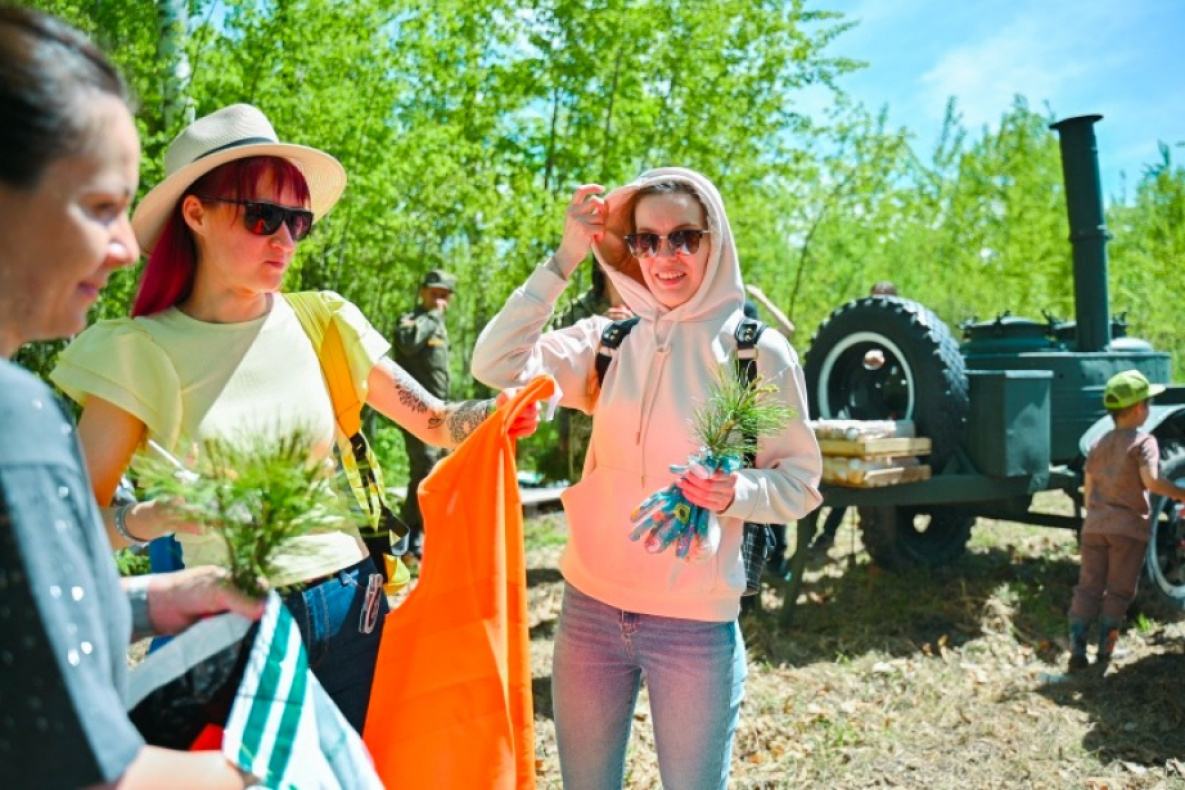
(1011, 407)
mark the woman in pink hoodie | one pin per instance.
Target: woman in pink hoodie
(666, 245)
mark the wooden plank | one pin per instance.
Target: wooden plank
(894, 475)
(531, 497)
(875, 447)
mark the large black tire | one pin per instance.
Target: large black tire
(1164, 566)
(923, 379)
(898, 538)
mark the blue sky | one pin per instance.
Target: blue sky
(1123, 59)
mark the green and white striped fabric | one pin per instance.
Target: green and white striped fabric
(283, 727)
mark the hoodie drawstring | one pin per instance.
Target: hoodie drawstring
(654, 373)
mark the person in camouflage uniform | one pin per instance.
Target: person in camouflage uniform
(421, 348)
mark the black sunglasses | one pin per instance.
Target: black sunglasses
(683, 242)
(264, 219)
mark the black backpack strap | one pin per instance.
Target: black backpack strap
(611, 338)
(747, 333)
(758, 540)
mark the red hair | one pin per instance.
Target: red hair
(168, 276)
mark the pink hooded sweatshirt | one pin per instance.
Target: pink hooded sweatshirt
(642, 417)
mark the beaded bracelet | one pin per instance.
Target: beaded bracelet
(121, 526)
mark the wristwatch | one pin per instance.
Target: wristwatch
(136, 590)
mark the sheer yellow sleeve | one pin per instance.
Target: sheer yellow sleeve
(118, 361)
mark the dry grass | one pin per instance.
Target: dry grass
(941, 679)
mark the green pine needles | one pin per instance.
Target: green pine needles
(738, 412)
(256, 494)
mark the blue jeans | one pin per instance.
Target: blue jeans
(342, 658)
(695, 672)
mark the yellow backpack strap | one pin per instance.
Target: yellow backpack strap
(361, 468)
(317, 320)
(347, 407)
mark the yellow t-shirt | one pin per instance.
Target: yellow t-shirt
(188, 381)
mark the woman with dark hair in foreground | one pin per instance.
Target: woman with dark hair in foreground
(69, 165)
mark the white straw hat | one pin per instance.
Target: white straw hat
(234, 132)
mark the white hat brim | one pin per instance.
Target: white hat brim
(325, 176)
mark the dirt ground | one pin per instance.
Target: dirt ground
(942, 679)
(949, 678)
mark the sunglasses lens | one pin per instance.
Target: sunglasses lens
(262, 219)
(686, 241)
(300, 223)
(645, 244)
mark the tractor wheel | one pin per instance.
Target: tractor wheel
(1165, 563)
(918, 372)
(898, 538)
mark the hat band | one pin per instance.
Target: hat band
(238, 144)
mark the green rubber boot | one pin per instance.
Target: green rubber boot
(1078, 630)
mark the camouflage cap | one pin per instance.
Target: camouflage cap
(1127, 389)
(439, 278)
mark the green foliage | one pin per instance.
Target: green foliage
(129, 563)
(257, 495)
(539, 533)
(464, 125)
(738, 413)
(978, 230)
(545, 451)
(386, 441)
(1146, 255)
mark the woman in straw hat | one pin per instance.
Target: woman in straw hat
(213, 351)
(69, 165)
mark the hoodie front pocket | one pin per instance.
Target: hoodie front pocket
(598, 510)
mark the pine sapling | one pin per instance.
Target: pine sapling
(727, 425)
(256, 494)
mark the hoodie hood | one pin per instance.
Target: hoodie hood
(721, 292)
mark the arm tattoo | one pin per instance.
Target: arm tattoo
(410, 392)
(464, 417)
(461, 418)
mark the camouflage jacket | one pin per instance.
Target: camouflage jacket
(421, 348)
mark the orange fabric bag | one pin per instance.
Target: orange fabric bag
(451, 705)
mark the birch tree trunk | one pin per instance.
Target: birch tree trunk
(173, 21)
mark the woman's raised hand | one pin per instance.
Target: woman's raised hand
(584, 225)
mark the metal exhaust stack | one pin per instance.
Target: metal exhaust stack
(1088, 229)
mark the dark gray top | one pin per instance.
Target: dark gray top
(64, 621)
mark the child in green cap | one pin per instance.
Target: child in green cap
(1121, 468)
